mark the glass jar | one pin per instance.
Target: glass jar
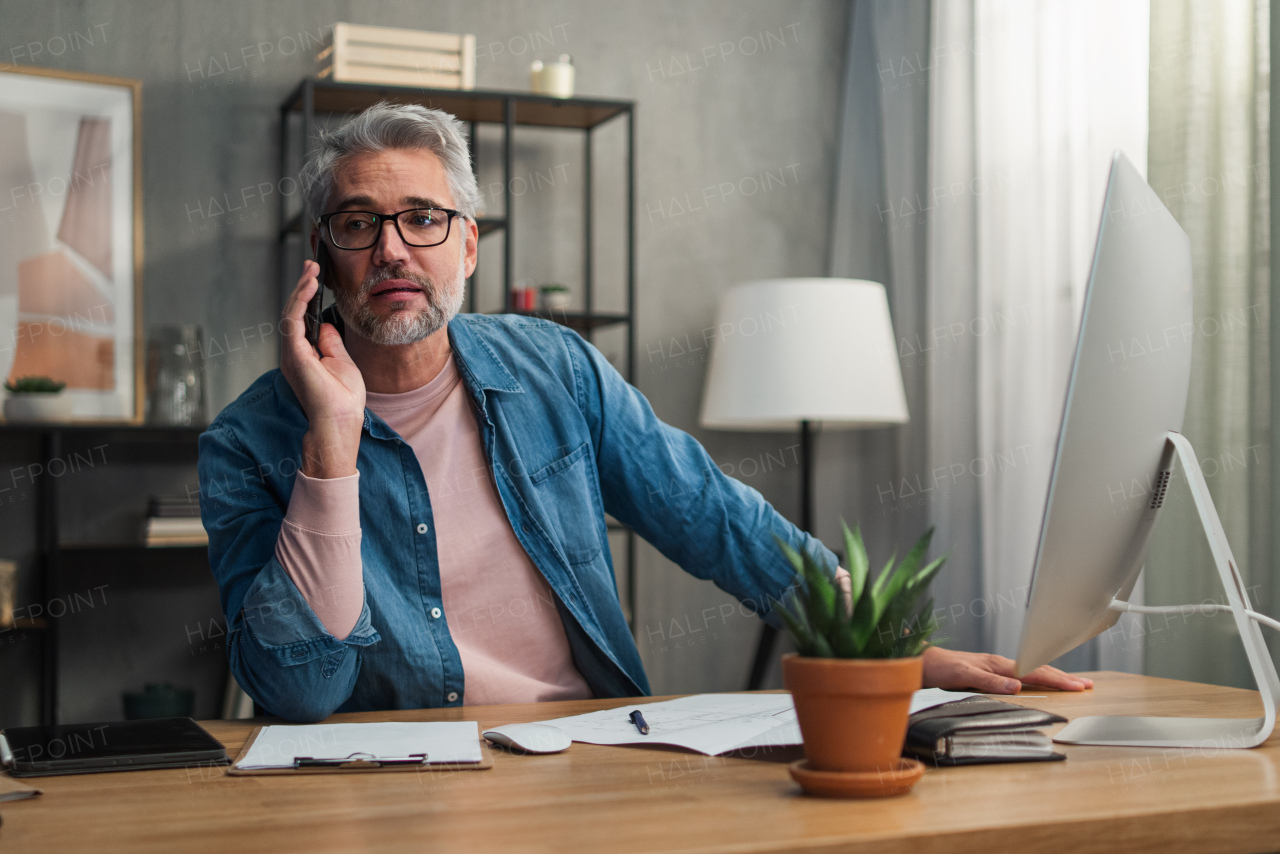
(175, 375)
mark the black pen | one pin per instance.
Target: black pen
(638, 720)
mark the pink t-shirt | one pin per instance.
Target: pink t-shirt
(501, 611)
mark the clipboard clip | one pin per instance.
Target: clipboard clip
(359, 760)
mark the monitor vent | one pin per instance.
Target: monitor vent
(1159, 489)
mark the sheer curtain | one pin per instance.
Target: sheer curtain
(984, 239)
(1210, 81)
(1059, 85)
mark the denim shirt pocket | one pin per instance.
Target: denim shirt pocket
(568, 491)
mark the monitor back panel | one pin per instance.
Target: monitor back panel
(1128, 387)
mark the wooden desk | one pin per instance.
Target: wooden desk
(595, 798)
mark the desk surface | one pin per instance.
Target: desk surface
(594, 798)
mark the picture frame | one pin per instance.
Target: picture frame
(71, 238)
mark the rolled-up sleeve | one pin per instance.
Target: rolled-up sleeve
(279, 650)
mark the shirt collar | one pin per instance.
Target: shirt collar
(479, 365)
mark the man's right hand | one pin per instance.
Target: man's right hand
(331, 389)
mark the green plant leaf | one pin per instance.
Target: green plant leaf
(856, 556)
(925, 576)
(905, 571)
(822, 648)
(844, 645)
(793, 556)
(883, 578)
(822, 599)
(887, 618)
(794, 624)
(35, 385)
(864, 617)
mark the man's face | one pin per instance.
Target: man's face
(393, 293)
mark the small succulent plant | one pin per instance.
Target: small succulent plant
(35, 385)
(887, 619)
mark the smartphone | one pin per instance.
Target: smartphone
(316, 304)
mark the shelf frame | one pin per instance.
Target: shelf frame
(54, 559)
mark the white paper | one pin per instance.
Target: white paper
(707, 723)
(448, 741)
(712, 723)
(927, 698)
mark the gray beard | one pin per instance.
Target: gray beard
(443, 303)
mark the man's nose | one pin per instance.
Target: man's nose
(390, 249)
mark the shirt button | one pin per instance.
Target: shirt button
(422, 527)
(452, 696)
(435, 613)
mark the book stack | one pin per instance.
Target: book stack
(173, 521)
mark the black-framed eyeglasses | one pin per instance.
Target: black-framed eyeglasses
(418, 227)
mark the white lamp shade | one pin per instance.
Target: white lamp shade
(791, 350)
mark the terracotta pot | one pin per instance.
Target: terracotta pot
(852, 712)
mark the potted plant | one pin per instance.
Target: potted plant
(36, 399)
(554, 297)
(856, 668)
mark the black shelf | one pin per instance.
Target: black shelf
(63, 566)
(26, 624)
(136, 432)
(469, 105)
(576, 320)
(134, 565)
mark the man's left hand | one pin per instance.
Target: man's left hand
(990, 674)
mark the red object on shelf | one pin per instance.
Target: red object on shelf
(524, 299)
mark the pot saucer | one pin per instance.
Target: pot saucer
(858, 784)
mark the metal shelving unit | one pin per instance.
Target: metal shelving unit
(63, 566)
(510, 110)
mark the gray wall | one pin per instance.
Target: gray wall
(726, 91)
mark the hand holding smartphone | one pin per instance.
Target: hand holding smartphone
(327, 383)
(315, 306)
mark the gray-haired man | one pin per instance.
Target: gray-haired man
(415, 515)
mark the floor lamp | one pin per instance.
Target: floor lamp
(802, 351)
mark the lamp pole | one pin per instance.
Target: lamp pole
(768, 634)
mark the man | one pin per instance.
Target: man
(415, 515)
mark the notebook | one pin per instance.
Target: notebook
(980, 730)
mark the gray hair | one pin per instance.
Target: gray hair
(390, 126)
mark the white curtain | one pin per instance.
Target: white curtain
(1210, 88)
(996, 119)
(1058, 86)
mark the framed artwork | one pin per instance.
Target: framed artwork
(71, 237)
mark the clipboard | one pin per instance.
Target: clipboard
(356, 764)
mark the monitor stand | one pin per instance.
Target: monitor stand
(1206, 733)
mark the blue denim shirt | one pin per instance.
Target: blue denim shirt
(567, 440)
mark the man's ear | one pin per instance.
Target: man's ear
(473, 247)
(315, 238)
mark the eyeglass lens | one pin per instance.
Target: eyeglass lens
(360, 230)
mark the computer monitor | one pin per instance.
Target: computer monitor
(1119, 439)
